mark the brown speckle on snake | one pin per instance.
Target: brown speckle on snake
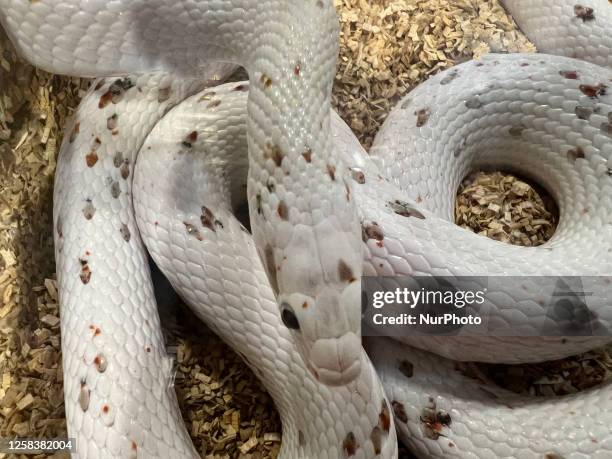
(331, 171)
(85, 272)
(422, 117)
(89, 210)
(575, 153)
(593, 91)
(345, 273)
(125, 232)
(208, 219)
(584, 12)
(376, 437)
(400, 411)
(111, 123)
(274, 153)
(569, 74)
(265, 80)
(193, 231)
(350, 444)
(101, 363)
(384, 418)
(283, 210)
(190, 139)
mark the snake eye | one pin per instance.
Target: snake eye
(288, 317)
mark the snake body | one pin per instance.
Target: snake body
(118, 399)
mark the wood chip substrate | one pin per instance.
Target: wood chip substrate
(386, 48)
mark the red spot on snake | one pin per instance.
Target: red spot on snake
(105, 409)
(242, 87)
(106, 99)
(384, 418)
(297, 69)
(371, 231)
(569, 74)
(307, 155)
(190, 139)
(283, 210)
(400, 411)
(434, 421)
(593, 91)
(148, 349)
(85, 273)
(305, 305)
(101, 363)
(91, 159)
(350, 444)
(345, 273)
(524, 64)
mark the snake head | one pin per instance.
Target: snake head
(321, 302)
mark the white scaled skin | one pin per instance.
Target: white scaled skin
(184, 199)
(305, 230)
(478, 419)
(581, 29)
(117, 377)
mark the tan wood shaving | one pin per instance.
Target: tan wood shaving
(505, 208)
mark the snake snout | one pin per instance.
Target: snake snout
(337, 361)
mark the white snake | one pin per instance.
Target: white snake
(301, 198)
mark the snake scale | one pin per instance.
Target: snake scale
(287, 297)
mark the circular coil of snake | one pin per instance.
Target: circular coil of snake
(322, 214)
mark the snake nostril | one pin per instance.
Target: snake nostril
(288, 317)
